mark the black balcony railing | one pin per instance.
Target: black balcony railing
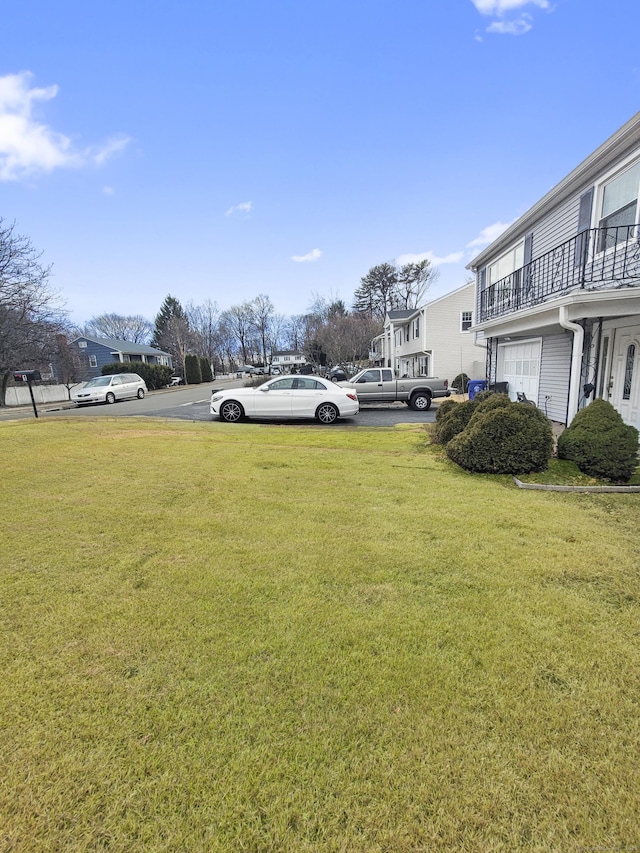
(596, 258)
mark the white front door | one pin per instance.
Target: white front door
(521, 368)
(624, 379)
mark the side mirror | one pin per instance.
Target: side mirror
(263, 388)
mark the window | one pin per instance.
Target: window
(416, 327)
(93, 361)
(82, 344)
(509, 262)
(406, 332)
(619, 212)
(466, 320)
(628, 372)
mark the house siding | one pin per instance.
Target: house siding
(453, 351)
(555, 365)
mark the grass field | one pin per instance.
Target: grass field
(260, 639)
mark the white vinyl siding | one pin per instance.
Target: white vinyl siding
(555, 367)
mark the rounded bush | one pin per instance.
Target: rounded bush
(511, 439)
(600, 443)
(445, 407)
(489, 401)
(454, 421)
(461, 383)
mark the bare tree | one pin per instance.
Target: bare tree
(30, 312)
(71, 366)
(413, 282)
(135, 329)
(262, 314)
(239, 321)
(204, 322)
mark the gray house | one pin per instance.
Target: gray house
(558, 293)
(101, 351)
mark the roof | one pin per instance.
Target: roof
(622, 141)
(116, 345)
(401, 314)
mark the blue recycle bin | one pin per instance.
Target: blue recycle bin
(475, 386)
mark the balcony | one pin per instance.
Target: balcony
(595, 258)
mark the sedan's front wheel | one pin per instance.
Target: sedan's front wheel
(110, 398)
(327, 413)
(231, 412)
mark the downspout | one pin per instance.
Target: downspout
(576, 362)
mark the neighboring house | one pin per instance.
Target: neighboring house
(558, 293)
(101, 351)
(288, 359)
(434, 340)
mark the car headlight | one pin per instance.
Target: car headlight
(216, 398)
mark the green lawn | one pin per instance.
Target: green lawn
(247, 638)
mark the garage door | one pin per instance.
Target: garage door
(521, 368)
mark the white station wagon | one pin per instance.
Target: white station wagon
(108, 389)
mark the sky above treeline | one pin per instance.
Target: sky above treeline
(224, 149)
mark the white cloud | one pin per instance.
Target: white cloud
(243, 207)
(488, 235)
(27, 145)
(452, 258)
(313, 255)
(500, 9)
(511, 28)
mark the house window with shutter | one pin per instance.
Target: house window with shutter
(619, 208)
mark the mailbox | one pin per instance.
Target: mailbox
(26, 375)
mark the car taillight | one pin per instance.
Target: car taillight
(446, 383)
(353, 397)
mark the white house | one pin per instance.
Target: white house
(288, 360)
(558, 293)
(434, 340)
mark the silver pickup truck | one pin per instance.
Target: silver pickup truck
(378, 385)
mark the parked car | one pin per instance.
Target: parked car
(338, 374)
(247, 370)
(286, 397)
(108, 389)
(175, 380)
(275, 371)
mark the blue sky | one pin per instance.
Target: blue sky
(222, 149)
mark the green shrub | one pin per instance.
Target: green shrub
(445, 407)
(192, 373)
(488, 400)
(461, 383)
(511, 439)
(155, 375)
(454, 421)
(205, 369)
(600, 443)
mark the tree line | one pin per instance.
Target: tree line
(35, 329)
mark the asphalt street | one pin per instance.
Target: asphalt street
(192, 404)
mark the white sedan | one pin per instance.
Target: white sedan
(287, 397)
